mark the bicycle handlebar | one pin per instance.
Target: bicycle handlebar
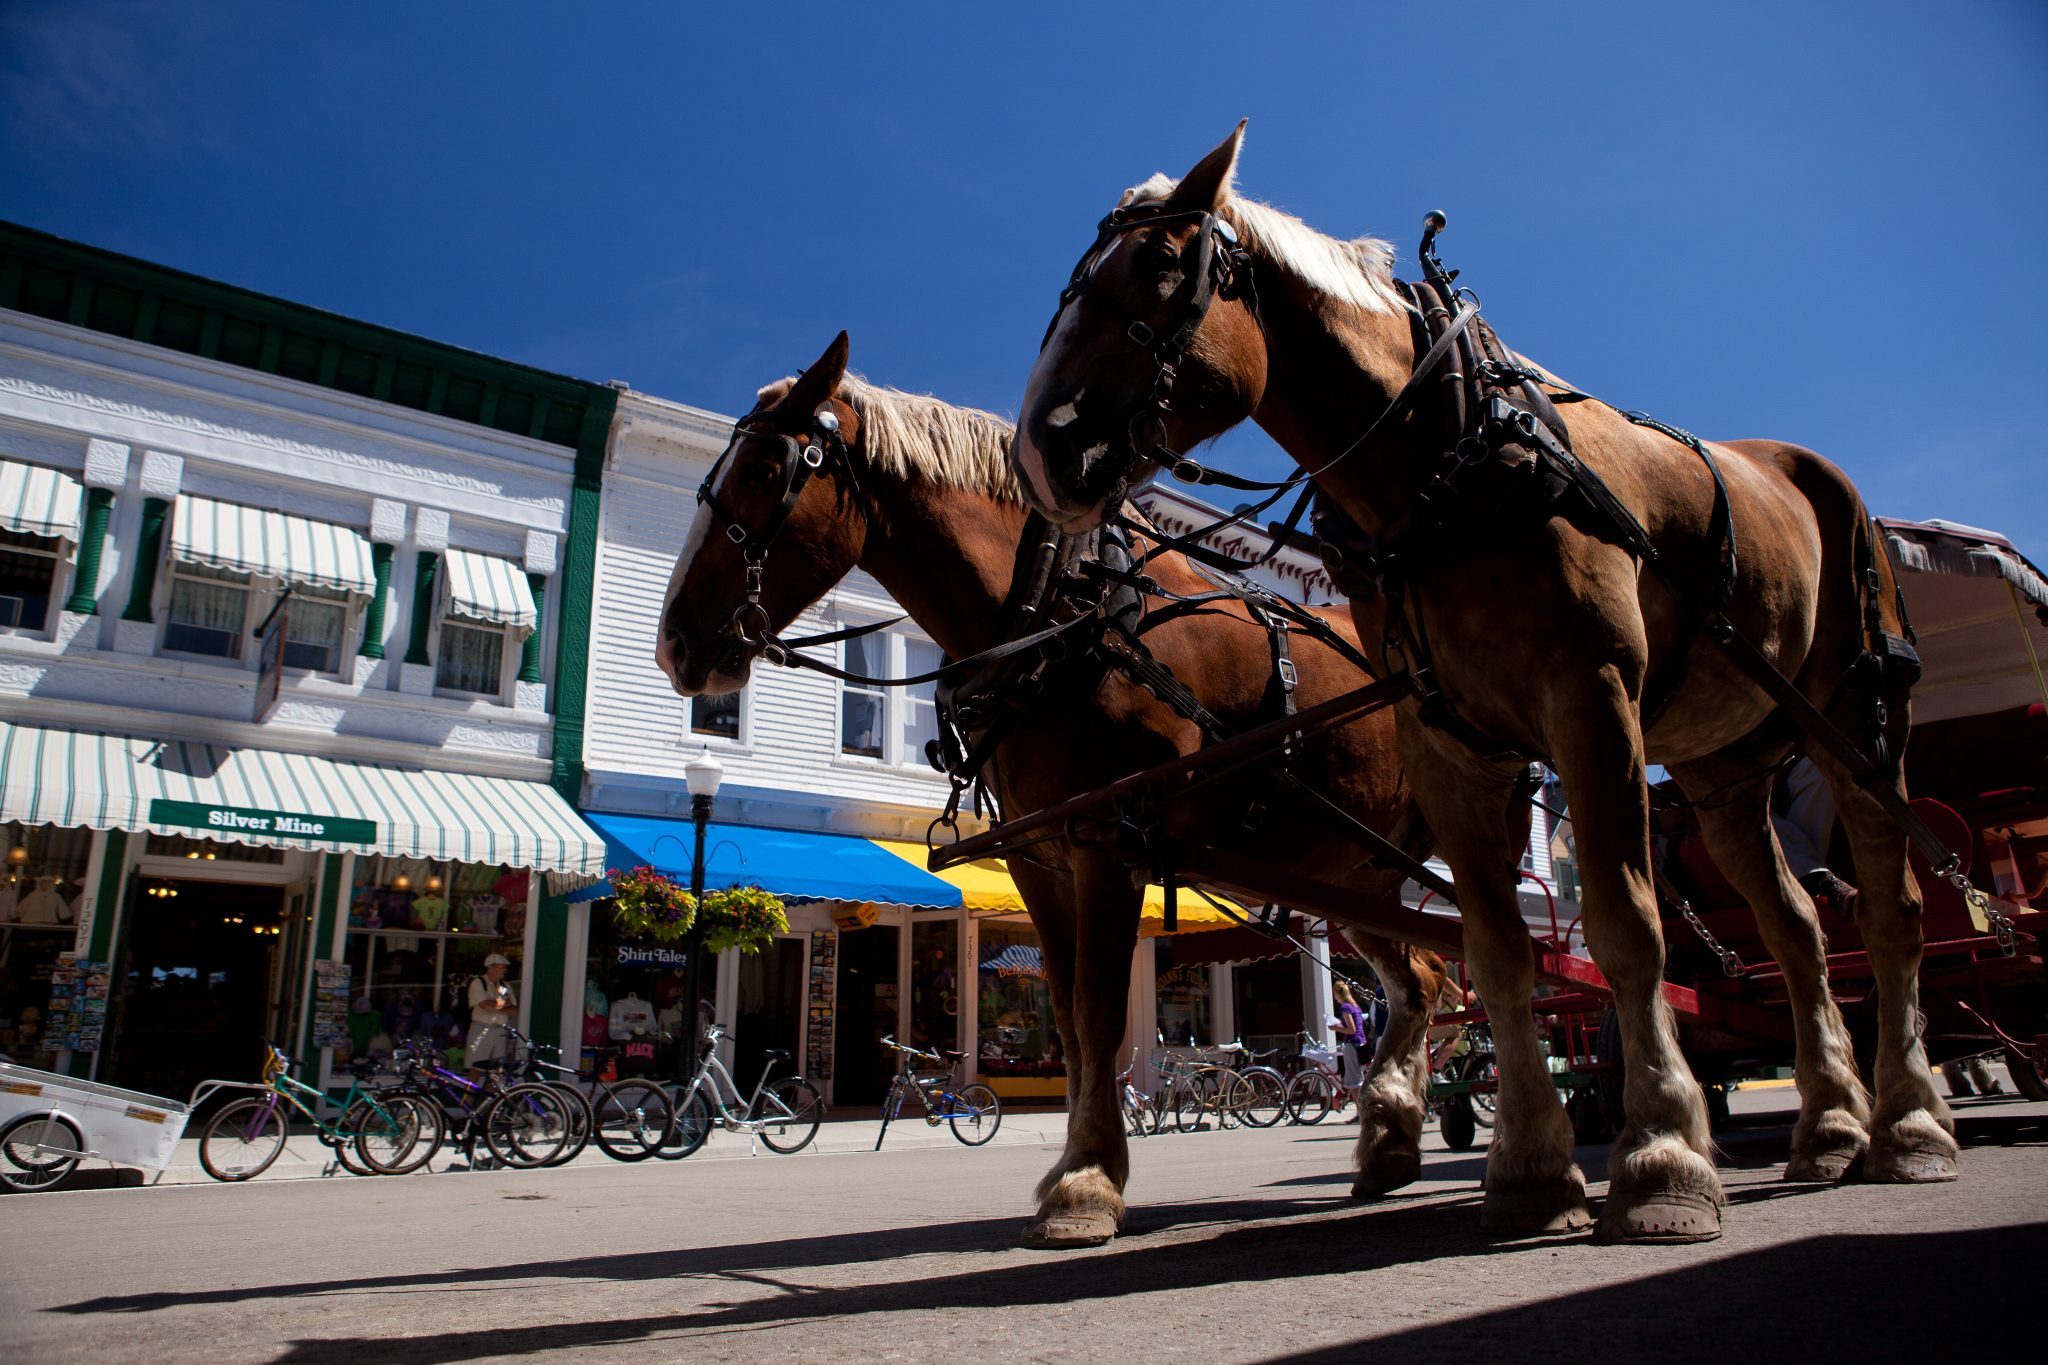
(911, 1051)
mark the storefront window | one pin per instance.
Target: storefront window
(935, 983)
(39, 890)
(1018, 1035)
(417, 932)
(632, 994)
(28, 579)
(1183, 993)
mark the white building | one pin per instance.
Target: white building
(312, 832)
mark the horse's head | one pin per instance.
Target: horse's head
(1156, 346)
(778, 523)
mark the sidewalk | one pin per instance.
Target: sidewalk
(304, 1158)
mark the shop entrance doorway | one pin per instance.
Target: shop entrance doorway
(770, 1010)
(867, 1014)
(195, 984)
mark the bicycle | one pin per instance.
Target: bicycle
(629, 1120)
(1197, 1090)
(1260, 1096)
(783, 1114)
(523, 1124)
(1140, 1112)
(242, 1141)
(1317, 1090)
(973, 1112)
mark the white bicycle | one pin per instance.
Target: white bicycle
(784, 1113)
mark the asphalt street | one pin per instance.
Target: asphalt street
(1240, 1246)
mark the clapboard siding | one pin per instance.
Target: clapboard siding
(787, 767)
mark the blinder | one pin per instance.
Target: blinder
(1213, 266)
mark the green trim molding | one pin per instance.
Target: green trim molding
(423, 579)
(142, 587)
(85, 588)
(571, 698)
(373, 616)
(529, 652)
(325, 912)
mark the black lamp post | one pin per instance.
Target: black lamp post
(702, 774)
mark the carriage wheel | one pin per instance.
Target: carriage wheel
(2028, 1076)
(1459, 1124)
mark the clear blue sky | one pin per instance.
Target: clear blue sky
(1822, 222)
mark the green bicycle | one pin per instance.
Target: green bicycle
(376, 1134)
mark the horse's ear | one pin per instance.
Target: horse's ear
(818, 383)
(1202, 189)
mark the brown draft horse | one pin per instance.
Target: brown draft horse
(1543, 636)
(921, 495)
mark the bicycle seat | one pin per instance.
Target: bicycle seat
(776, 1054)
(950, 1055)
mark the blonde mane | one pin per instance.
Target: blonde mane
(913, 435)
(1360, 271)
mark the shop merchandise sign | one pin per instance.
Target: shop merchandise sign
(270, 663)
(330, 1002)
(651, 955)
(848, 916)
(248, 820)
(77, 1016)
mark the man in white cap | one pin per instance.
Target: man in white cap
(492, 1010)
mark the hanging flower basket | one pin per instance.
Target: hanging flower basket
(744, 917)
(648, 905)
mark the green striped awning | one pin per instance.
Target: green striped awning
(250, 540)
(72, 778)
(486, 588)
(35, 501)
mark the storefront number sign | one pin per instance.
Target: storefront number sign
(275, 824)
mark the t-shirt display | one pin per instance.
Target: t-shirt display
(427, 912)
(629, 1013)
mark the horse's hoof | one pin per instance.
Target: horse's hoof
(1065, 1231)
(1826, 1167)
(1917, 1165)
(1666, 1216)
(1385, 1173)
(1535, 1210)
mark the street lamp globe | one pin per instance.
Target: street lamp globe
(703, 773)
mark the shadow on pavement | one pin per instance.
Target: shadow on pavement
(1740, 1304)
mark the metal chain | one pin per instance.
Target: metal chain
(2001, 926)
(1731, 965)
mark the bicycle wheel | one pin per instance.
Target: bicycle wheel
(1134, 1114)
(404, 1137)
(37, 1152)
(1311, 1096)
(243, 1139)
(632, 1119)
(581, 1124)
(526, 1126)
(789, 1112)
(1233, 1099)
(342, 1138)
(691, 1127)
(977, 1113)
(1194, 1104)
(1266, 1099)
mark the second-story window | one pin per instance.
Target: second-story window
(318, 621)
(39, 523)
(892, 724)
(863, 707)
(209, 612)
(489, 611)
(716, 716)
(228, 565)
(28, 579)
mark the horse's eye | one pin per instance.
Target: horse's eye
(757, 473)
(1158, 258)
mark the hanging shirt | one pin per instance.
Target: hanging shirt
(628, 1012)
(636, 1058)
(427, 912)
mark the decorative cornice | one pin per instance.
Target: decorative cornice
(540, 552)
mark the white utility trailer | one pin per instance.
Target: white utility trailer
(49, 1124)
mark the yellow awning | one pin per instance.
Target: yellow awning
(986, 888)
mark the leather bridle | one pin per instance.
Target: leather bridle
(801, 458)
(1213, 266)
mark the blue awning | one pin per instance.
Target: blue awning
(792, 865)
